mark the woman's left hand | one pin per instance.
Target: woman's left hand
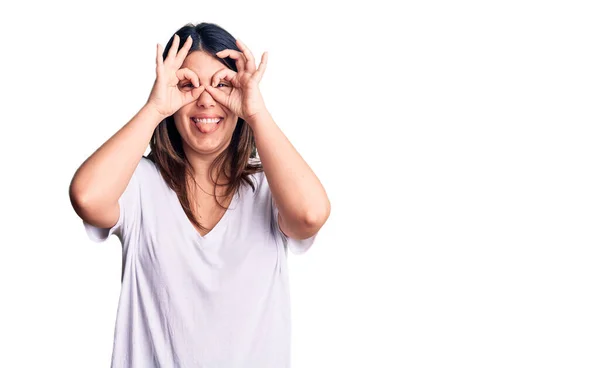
(240, 94)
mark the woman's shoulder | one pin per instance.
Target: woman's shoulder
(146, 173)
(146, 167)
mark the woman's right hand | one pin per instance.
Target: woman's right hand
(166, 97)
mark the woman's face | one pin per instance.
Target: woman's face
(196, 121)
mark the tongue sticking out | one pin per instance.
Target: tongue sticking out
(207, 127)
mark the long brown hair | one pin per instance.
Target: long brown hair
(166, 146)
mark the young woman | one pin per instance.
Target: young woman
(205, 223)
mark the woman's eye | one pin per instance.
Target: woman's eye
(189, 85)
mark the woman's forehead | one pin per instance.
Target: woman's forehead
(202, 63)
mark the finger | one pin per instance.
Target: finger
(261, 67)
(184, 51)
(192, 95)
(219, 96)
(174, 47)
(187, 74)
(250, 64)
(240, 59)
(159, 59)
(223, 74)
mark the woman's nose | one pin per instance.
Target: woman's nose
(205, 100)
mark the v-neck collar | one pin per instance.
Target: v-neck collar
(218, 227)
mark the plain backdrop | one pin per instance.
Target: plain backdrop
(458, 143)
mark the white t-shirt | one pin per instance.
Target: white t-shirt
(215, 301)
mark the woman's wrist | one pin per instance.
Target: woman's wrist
(151, 114)
(257, 118)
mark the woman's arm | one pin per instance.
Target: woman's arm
(298, 194)
(100, 181)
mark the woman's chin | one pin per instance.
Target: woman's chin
(206, 147)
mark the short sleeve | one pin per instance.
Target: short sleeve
(129, 209)
(296, 246)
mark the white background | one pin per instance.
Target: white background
(458, 143)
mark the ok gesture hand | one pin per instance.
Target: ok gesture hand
(166, 97)
(243, 98)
